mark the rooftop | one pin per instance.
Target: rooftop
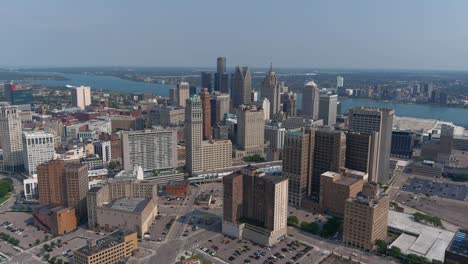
(459, 243)
(106, 242)
(347, 181)
(417, 238)
(130, 204)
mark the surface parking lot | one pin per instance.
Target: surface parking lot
(234, 250)
(19, 225)
(160, 227)
(441, 189)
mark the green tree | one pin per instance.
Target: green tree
(331, 227)
(311, 227)
(112, 165)
(395, 252)
(293, 220)
(382, 246)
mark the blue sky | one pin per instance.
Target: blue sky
(416, 34)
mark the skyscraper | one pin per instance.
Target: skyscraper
(206, 107)
(250, 129)
(221, 78)
(182, 93)
(255, 206)
(361, 152)
(10, 136)
(241, 87)
(289, 102)
(220, 104)
(339, 81)
(271, 90)
(207, 80)
(369, 120)
(298, 157)
(150, 149)
(310, 100)
(38, 147)
(329, 154)
(81, 96)
(193, 134)
(327, 109)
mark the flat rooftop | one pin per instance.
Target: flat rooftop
(130, 204)
(459, 244)
(106, 242)
(417, 238)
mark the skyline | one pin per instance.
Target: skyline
(320, 34)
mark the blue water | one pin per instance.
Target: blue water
(98, 82)
(458, 116)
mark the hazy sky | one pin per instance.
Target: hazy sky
(409, 34)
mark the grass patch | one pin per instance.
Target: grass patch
(5, 197)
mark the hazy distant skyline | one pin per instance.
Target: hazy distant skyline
(397, 34)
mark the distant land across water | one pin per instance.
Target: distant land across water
(458, 116)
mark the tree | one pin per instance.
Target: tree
(293, 220)
(382, 246)
(331, 227)
(394, 252)
(112, 165)
(59, 261)
(311, 227)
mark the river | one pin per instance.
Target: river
(458, 116)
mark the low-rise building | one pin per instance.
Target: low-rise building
(110, 249)
(55, 220)
(178, 188)
(457, 251)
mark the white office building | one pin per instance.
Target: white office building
(81, 96)
(10, 138)
(38, 147)
(30, 188)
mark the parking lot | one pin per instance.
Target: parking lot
(19, 225)
(234, 250)
(306, 216)
(160, 227)
(441, 189)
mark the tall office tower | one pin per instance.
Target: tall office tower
(369, 120)
(104, 150)
(329, 154)
(51, 183)
(241, 87)
(274, 136)
(266, 108)
(221, 78)
(271, 90)
(76, 179)
(207, 80)
(327, 109)
(192, 90)
(289, 103)
(150, 149)
(250, 129)
(193, 134)
(446, 139)
(255, 206)
(220, 104)
(427, 88)
(206, 107)
(339, 81)
(173, 96)
(366, 218)
(221, 65)
(402, 144)
(361, 152)
(310, 100)
(182, 93)
(254, 96)
(38, 147)
(298, 157)
(10, 136)
(81, 96)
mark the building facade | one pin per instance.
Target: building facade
(38, 147)
(271, 91)
(361, 152)
(327, 109)
(241, 87)
(205, 98)
(182, 92)
(310, 100)
(81, 96)
(11, 139)
(250, 129)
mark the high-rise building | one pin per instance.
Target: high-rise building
(221, 78)
(298, 157)
(250, 129)
(255, 206)
(329, 154)
(402, 144)
(274, 136)
(271, 90)
(81, 96)
(104, 150)
(361, 152)
(10, 137)
(310, 100)
(112, 248)
(167, 116)
(207, 80)
(151, 149)
(173, 96)
(241, 87)
(266, 108)
(339, 81)
(220, 104)
(366, 218)
(369, 120)
(289, 103)
(193, 134)
(15, 94)
(327, 109)
(206, 107)
(182, 93)
(64, 184)
(38, 147)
